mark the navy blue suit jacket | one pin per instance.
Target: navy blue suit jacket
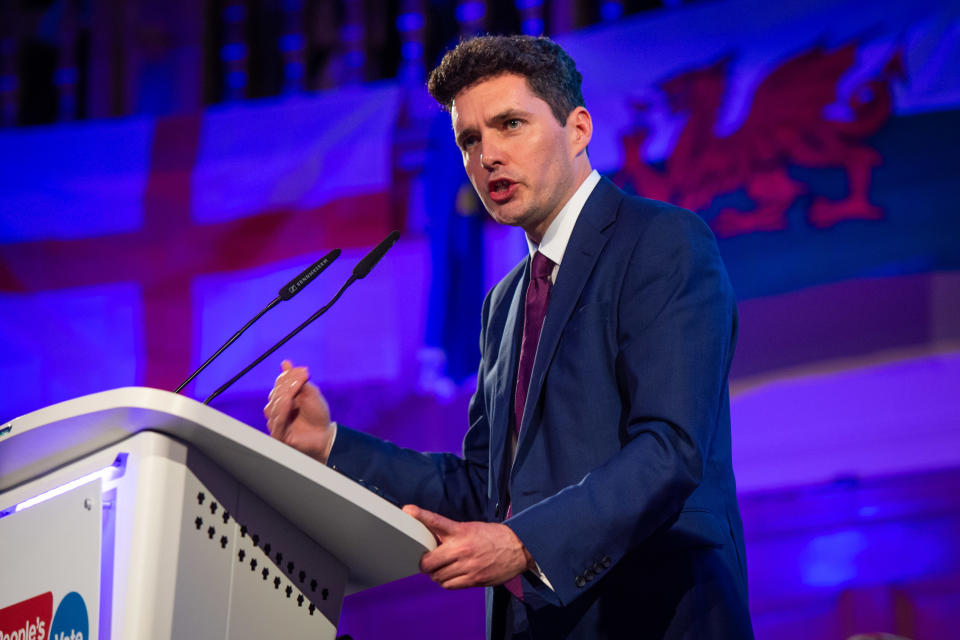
(622, 485)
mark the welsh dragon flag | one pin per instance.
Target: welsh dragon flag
(817, 139)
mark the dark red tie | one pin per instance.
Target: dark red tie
(534, 311)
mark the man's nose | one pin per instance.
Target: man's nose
(490, 156)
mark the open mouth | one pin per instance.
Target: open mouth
(501, 190)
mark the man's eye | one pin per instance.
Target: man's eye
(513, 123)
(469, 142)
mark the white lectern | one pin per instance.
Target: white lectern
(138, 513)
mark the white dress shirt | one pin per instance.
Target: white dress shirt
(554, 242)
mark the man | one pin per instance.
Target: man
(595, 494)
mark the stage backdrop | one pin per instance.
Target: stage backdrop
(817, 140)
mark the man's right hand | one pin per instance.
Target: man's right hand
(298, 415)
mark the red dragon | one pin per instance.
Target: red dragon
(786, 126)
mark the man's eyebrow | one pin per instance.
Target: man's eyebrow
(508, 114)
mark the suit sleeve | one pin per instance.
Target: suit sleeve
(454, 486)
(675, 336)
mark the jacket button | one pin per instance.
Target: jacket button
(597, 567)
(606, 562)
(579, 581)
(588, 574)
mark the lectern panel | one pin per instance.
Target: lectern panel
(50, 562)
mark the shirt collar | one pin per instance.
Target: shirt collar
(555, 239)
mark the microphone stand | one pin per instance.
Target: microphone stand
(282, 342)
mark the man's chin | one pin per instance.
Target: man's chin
(507, 214)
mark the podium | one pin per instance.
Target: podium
(138, 513)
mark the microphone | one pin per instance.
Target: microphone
(370, 260)
(360, 271)
(289, 290)
(293, 287)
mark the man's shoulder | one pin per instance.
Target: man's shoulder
(631, 212)
(650, 236)
(630, 219)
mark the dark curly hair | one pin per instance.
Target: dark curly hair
(551, 74)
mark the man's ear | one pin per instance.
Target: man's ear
(580, 125)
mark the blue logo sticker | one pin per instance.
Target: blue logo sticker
(70, 622)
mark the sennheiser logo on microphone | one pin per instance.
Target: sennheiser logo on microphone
(285, 292)
(308, 276)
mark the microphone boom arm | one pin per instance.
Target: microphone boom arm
(226, 344)
(284, 341)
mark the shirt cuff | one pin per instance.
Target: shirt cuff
(333, 438)
(537, 571)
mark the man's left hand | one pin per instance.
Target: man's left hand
(470, 554)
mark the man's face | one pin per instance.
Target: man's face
(523, 163)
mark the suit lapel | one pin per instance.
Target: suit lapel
(583, 250)
(505, 375)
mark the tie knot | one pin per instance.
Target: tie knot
(542, 266)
